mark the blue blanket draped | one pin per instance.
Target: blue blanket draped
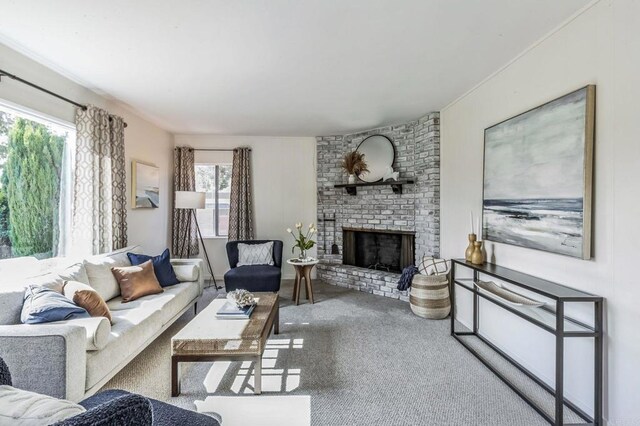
(407, 276)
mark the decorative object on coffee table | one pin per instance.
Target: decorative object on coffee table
(303, 271)
(241, 298)
(191, 200)
(207, 338)
(429, 296)
(353, 163)
(303, 241)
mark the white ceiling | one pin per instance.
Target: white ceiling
(278, 67)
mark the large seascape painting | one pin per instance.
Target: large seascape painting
(537, 177)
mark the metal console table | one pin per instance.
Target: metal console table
(564, 327)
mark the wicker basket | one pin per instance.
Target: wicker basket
(429, 296)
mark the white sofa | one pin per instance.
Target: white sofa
(74, 359)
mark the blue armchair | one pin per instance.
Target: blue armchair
(117, 407)
(253, 278)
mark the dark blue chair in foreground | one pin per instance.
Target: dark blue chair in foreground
(121, 408)
(254, 278)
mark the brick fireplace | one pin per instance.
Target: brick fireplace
(376, 216)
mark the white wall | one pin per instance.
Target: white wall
(600, 46)
(284, 188)
(143, 140)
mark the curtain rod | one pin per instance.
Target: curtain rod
(215, 149)
(4, 73)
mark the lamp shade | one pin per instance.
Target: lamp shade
(190, 200)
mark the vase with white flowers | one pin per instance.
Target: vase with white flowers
(303, 241)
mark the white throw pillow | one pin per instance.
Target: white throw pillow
(99, 271)
(433, 266)
(186, 273)
(255, 254)
(20, 407)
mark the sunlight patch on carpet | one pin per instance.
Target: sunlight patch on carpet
(284, 410)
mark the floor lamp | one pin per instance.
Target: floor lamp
(191, 200)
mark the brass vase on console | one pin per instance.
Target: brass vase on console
(477, 258)
(469, 251)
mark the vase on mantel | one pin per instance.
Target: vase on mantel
(352, 178)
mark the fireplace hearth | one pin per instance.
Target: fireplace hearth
(381, 250)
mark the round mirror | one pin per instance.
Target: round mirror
(379, 155)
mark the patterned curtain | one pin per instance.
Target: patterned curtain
(184, 238)
(241, 207)
(99, 216)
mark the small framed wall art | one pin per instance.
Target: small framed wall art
(145, 186)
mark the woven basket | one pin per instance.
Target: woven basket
(429, 296)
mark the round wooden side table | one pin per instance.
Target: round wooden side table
(303, 271)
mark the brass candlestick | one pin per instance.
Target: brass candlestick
(477, 258)
(469, 251)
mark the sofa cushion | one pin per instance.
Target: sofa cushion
(99, 271)
(169, 303)
(42, 305)
(86, 297)
(161, 266)
(20, 407)
(137, 281)
(74, 272)
(131, 329)
(255, 254)
(186, 273)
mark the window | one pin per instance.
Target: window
(215, 180)
(33, 165)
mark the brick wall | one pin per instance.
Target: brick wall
(417, 209)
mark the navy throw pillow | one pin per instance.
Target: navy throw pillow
(42, 304)
(161, 266)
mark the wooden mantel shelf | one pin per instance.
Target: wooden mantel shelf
(396, 185)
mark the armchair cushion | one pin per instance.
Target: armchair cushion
(253, 278)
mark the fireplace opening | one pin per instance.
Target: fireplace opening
(389, 251)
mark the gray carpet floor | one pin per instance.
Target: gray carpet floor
(359, 359)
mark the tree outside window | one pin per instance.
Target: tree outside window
(30, 172)
(215, 181)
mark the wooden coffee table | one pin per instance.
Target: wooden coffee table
(206, 338)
